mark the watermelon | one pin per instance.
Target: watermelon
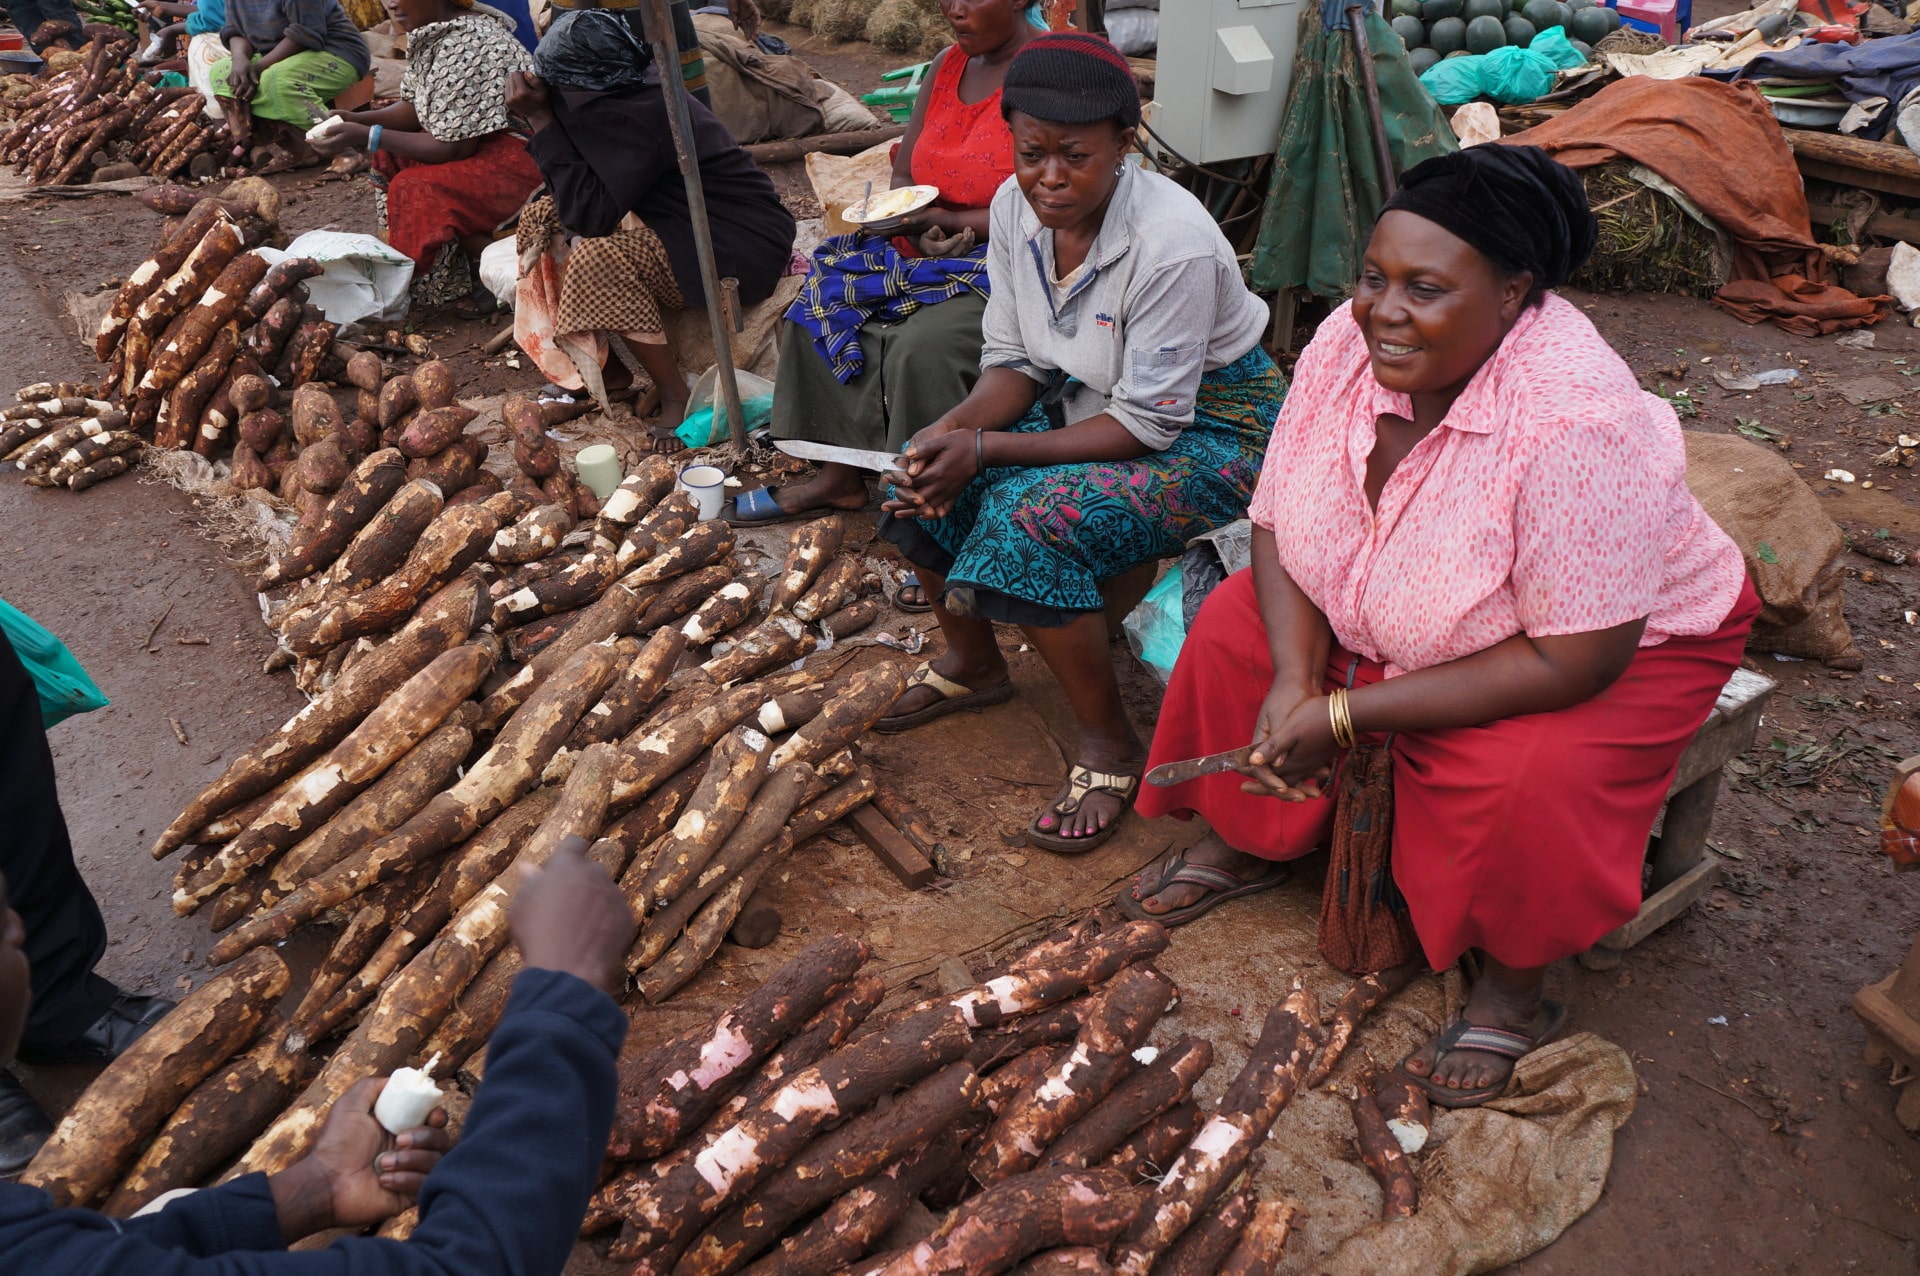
(1434, 10)
(1541, 13)
(1448, 35)
(1583, 49)
(1520, 32)
(1613, 18)
(1589, 26)
(1412, 31)
(1404, 9)
(1423, 60)
(1482, 9)
(1485, 34)
(1457, 53)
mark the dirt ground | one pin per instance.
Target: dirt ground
(1761, 1141)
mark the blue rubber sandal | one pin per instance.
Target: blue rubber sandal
(758, 508)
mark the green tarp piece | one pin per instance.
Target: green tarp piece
(1326, 182)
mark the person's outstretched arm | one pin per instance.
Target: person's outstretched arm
(509, 1198)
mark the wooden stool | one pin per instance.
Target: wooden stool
(1891, 1008)
(1891, 1011)
(1683, 870)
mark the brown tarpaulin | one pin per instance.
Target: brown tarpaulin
(1720, 144)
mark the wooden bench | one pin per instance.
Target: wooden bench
(1682, 869)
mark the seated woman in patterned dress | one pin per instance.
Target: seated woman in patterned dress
(1473, 545)
(447, 166)
(899, 364)
(611, 247)
(1123, 407)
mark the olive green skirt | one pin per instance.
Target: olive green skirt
(916, 370)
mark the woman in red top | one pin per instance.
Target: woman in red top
(916, 367)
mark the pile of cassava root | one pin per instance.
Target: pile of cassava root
(449, 742)
(102, 113)
(1029, 1112)
(189, 340)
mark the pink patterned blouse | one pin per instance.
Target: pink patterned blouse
(1551, 500)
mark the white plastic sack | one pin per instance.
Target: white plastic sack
(362, 277)
(500, 269)
(1903, 276)
(1135, 32)
(202, 52)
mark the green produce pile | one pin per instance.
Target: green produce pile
(1437, 29)
(115, 13)
(1647, 241)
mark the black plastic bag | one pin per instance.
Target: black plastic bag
(599, 50)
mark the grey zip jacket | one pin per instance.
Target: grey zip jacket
(1160, 303)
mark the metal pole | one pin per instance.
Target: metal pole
(1357, 29)
(666, 56)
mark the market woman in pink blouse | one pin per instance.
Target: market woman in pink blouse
(1473, 517)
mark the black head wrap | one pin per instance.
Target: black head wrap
(599, 50)
(1521, 208)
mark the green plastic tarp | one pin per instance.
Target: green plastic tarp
(1325, 191)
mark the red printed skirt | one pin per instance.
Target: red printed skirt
(430, 205)
(1523, 837)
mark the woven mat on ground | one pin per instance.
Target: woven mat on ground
(1721, 145)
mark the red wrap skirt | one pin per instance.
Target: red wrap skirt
(430, 205)
(1523, 837)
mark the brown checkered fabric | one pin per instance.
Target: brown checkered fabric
(616, 283)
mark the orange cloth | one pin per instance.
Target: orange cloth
(1721, 145)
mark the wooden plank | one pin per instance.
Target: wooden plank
(894, 850)
(1664, 905)
(1880, 225)
(1883, 158)
(1846, 175)
(793, 148)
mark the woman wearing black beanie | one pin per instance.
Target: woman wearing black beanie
(1123, 408)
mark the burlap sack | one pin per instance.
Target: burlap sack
(1505, 1180)
(1792, 549)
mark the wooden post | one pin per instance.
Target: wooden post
(666, 56)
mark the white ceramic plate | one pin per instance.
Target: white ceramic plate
(889, 208)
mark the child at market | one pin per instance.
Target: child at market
(288, 60)
(533, 1139)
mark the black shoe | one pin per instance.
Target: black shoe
(125, 1022)
(23, 1126)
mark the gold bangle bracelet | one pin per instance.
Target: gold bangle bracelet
(1341, 717)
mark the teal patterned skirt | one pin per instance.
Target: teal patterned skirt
(1030, 545)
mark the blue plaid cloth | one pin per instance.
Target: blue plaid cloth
(856, 278)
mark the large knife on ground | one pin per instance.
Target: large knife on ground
(1172, 773)
(859, 458)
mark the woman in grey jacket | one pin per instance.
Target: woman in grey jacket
(1123, 408)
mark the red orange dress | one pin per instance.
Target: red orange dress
(1551, 500)
(964, 148)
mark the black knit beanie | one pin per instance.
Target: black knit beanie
(1070, 77)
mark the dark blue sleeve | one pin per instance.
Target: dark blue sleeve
(234, 1216)
(508, 1198)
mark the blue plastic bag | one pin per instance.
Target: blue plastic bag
(1157, 627)
(1512, 75)
(1553, 45)
(1453, 81)
(64, 687)
(704, 426)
